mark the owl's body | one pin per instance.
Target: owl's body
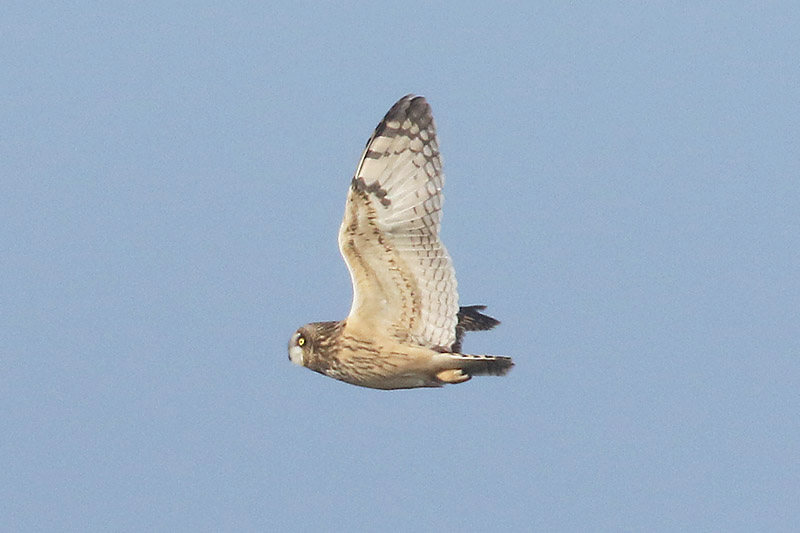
(405, 327)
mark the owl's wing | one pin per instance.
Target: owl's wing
(403, 278)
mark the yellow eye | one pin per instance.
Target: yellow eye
(301, 340)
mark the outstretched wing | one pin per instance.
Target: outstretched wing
(403, 279)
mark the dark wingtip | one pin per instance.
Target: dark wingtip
(471, 319)
(412, 106)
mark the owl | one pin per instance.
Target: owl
(405, 326)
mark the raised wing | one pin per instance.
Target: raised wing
(403, 278)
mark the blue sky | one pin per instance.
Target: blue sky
(623, 184)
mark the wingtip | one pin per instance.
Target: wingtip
(409, 105)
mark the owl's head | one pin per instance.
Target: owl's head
(300, 346)
(314, 342)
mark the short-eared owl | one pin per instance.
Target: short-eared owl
(405, 327)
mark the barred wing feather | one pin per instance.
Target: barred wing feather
(403, 278)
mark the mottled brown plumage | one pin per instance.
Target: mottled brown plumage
(405, 328)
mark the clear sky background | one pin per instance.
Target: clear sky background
(623, 191)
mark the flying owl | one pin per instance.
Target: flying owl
(405, 326)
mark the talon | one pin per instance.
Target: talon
(454, 375)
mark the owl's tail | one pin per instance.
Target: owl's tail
(484, 365)
(461, 367)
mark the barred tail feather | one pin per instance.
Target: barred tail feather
(483, 365)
